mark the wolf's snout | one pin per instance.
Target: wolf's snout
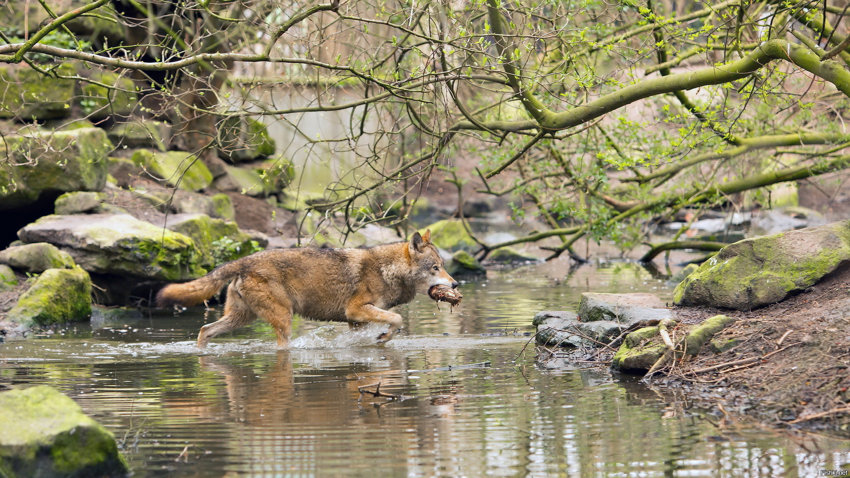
(455, 284)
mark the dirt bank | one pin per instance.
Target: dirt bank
(787, 365)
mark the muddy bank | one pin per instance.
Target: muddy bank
(784, 365)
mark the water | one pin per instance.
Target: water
(466, 402)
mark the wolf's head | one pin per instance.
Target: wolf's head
(428, 267)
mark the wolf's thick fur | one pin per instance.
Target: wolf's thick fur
(350, 285)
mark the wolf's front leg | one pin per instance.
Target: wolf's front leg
(364, 313)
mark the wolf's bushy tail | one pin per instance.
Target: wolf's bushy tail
(198, 290)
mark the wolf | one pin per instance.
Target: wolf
(357, 286)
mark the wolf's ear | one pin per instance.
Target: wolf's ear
(427, 236)
(416, 242)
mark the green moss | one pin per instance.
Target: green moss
(702, 333)
(218, 241)
(249, 181)
(464, 264)
(41, 423)
(223, 207)
(175, 168)
(65, 161)
(8, 280)
(141, 133)
(639, 350)
(58, 296)
(721, 345)
(37, 257)
(118, 97)
(244, 139)
(450, 234)
(27, 94)
(509, 255)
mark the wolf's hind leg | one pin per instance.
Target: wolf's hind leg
(269, 301)
(236, 315)
(369, 313)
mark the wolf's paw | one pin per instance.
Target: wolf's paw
(385, 337)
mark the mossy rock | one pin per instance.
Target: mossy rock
(761, 271)
(59, 161)
(245, 181)
(45, 433)
(36, 258)
(58, 296)
(464, 264)
(175, 168)
(219, 241)
(510, 256)
(8, 280)
(639, 351)
(27, 94)
(107, 94)
(120, 244)
(449, 234)
(244, 139)
(623, 308)
(278, 173)
(705, 331)
(141, 133)
(223, 207)
(79, 202)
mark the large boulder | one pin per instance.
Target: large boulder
(218, 241)
(107, 94)
(562, 329)
(449, 234)
(45, 433)
(36, 258)
(244, 139)
(175, 168)
(141, 133)
(119, 244)
(27, 94)
(764, 270)
(59, 161)
(58, 296)
(622, 308)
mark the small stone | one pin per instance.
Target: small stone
(36, 258)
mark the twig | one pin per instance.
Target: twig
(184, 454)
(827, 413)
(746, 361)
(781, 339)
(377, 392)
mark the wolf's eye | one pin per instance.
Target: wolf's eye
(436, 268)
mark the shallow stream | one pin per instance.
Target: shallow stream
(468, 400)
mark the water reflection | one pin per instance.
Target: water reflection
(468, 403)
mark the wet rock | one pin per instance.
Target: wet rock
(8, 280)
(510, 256)
(244, 139)
(36, 258)
(107, 94)
(218, 205)
(449, 234)
(764, 270)
(119, 244)
(685, 272)
(244, 181)
(45, 433)
(702, 333)
(463, 264)
(57, 161)
(28, 95)
(622, 308)
(175, 168)
(562, 328)
(639, 351)
(58, 296)
(217, 240)
(141, 133)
